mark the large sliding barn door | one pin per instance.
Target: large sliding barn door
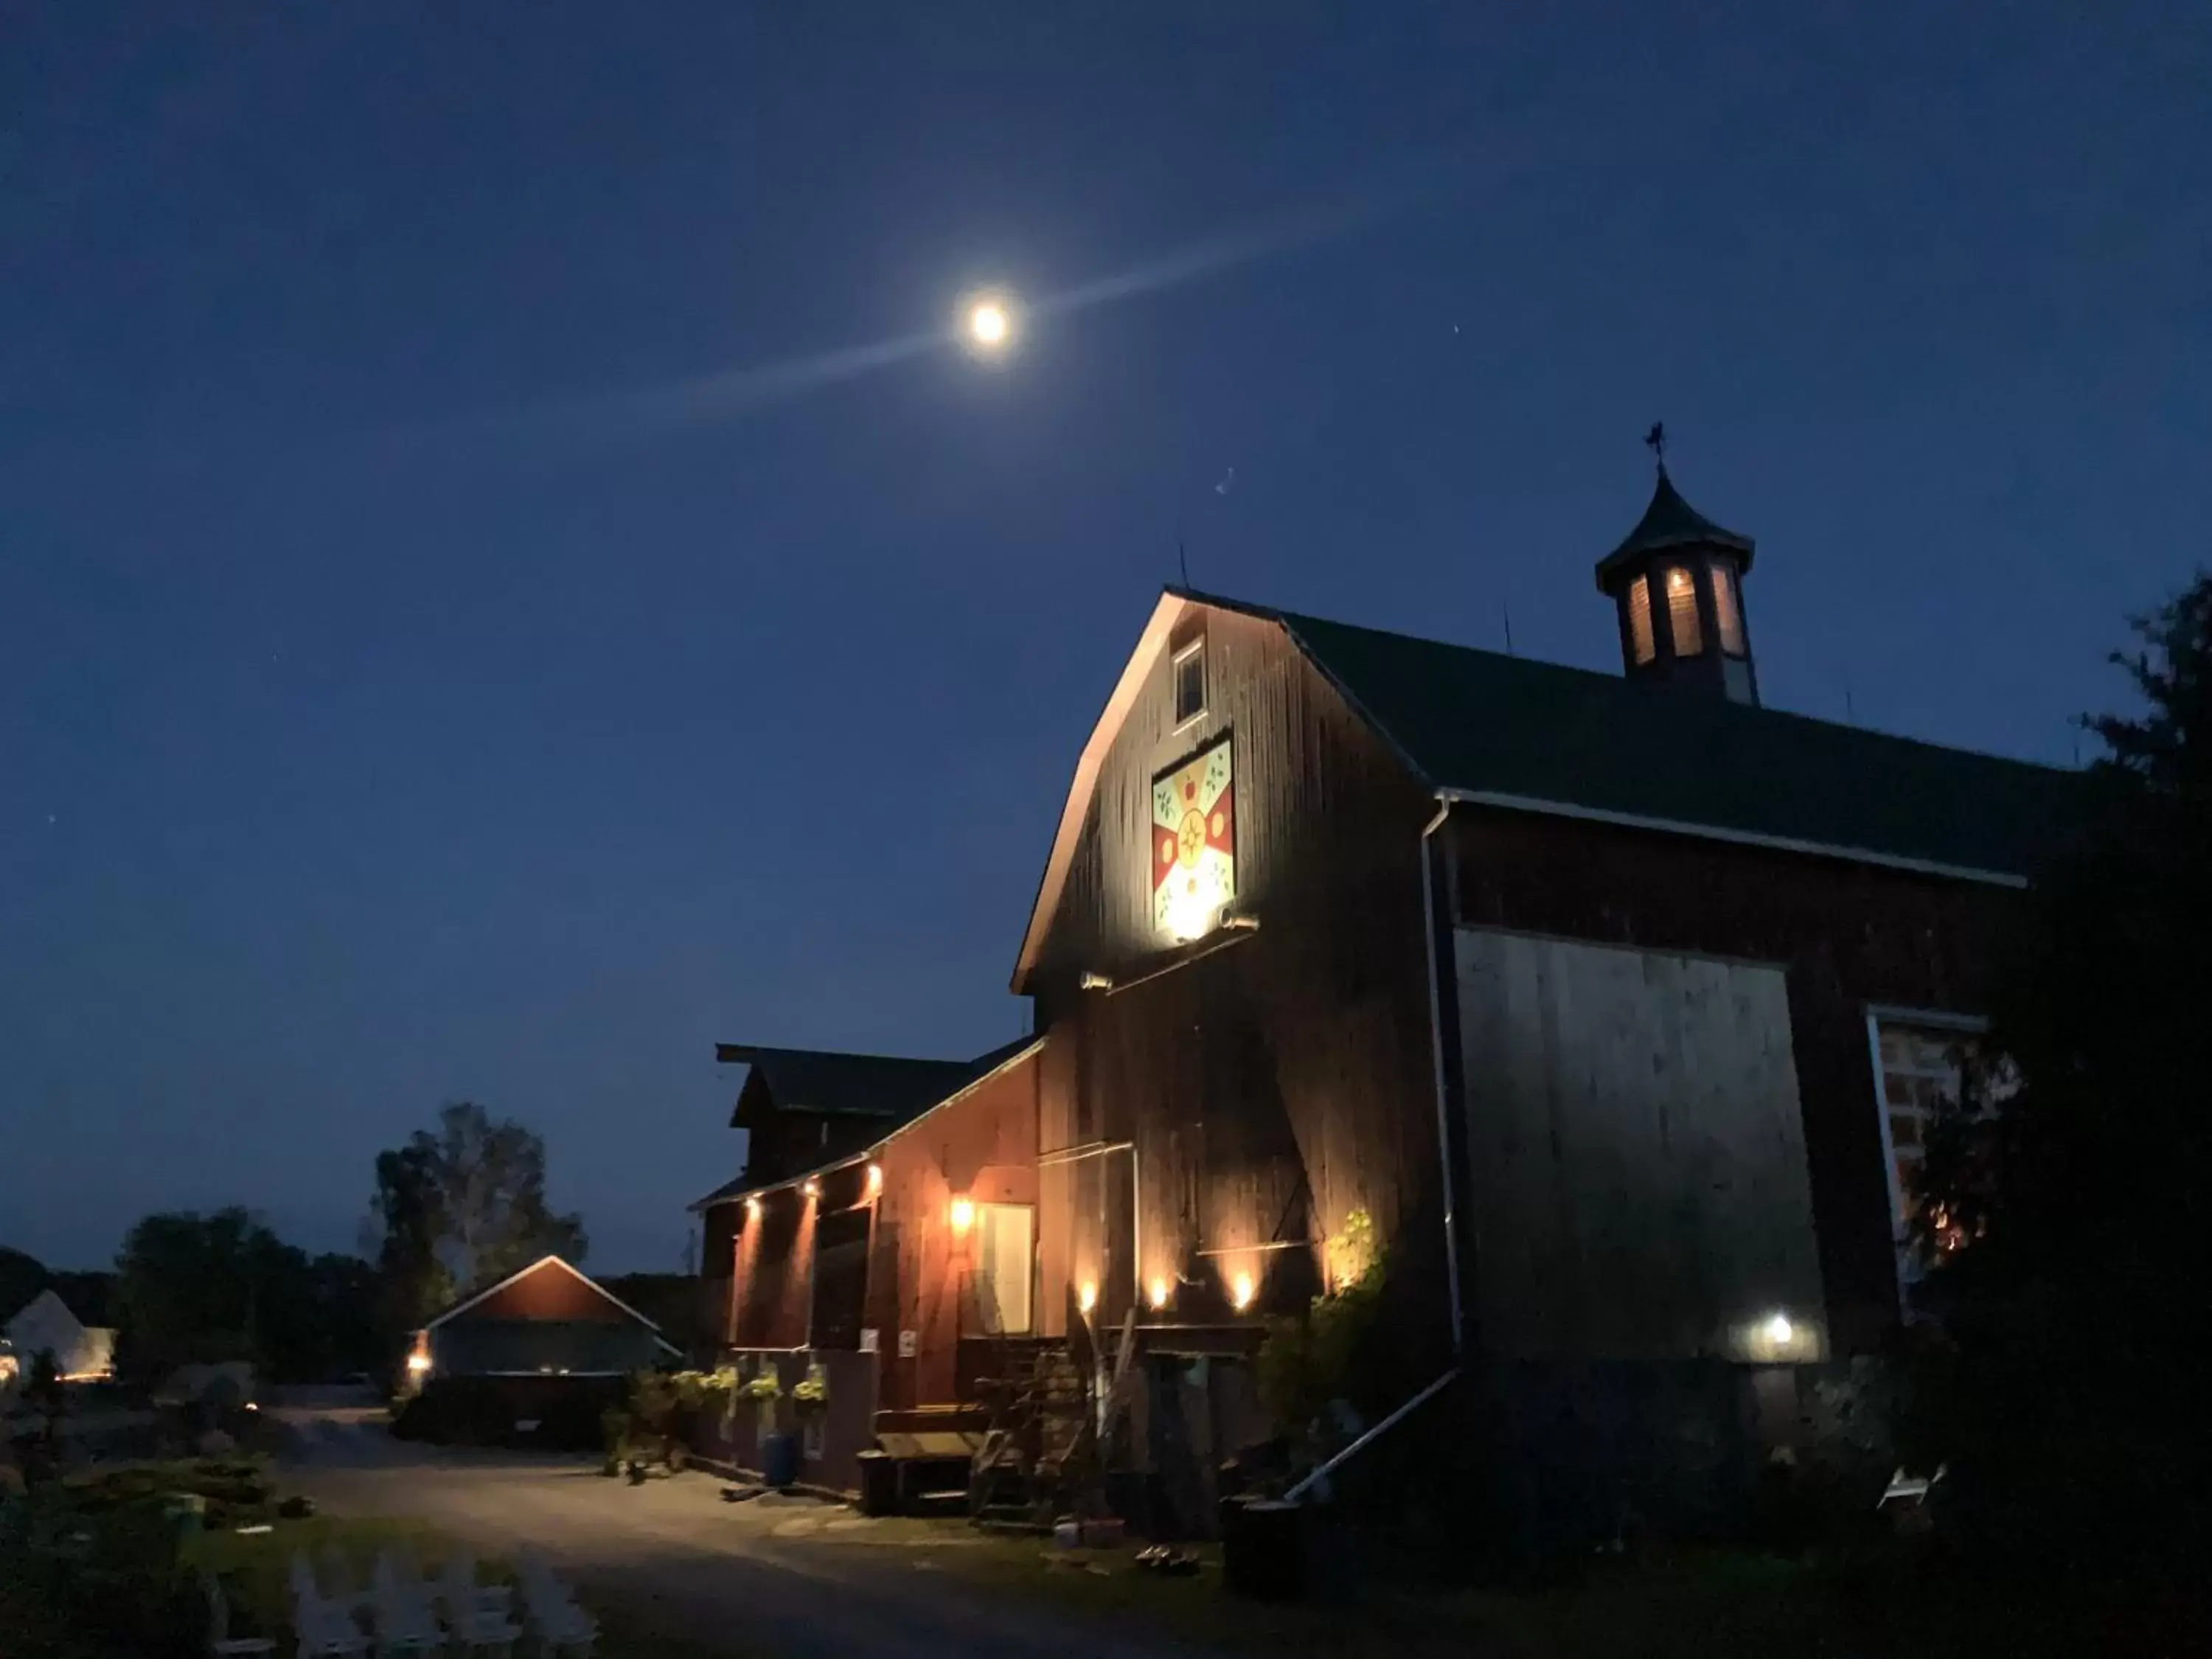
(1638, 1186)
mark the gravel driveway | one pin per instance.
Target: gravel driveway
(773, 1577)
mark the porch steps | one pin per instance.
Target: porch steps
(1040, 1407)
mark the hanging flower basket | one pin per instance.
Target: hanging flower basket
(812, 1392)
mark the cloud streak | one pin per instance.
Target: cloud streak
(732, 393)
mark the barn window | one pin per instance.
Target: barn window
(1728, 618)
(1190, 681)
(1639, 620)
(1004, 1259)
(1682, 613)
(1920, 1064)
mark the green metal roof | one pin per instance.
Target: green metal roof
(1669, 521)
(1515, 731)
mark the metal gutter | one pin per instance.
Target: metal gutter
(1445, 1158)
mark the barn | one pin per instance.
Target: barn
(536, 1357)
(1608, 1010)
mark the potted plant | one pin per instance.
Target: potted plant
(809, 1400)
(779, 1452)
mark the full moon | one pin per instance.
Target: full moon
(987, 324)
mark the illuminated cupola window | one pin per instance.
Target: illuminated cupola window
(1676, 583)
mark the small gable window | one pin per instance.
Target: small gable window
(1190, 681)
(1639, 621)
(1726, 615)
(1682, 613)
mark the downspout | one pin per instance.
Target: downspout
(1437, 1058)
(1444, 1165)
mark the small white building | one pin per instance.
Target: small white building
(82, 1353)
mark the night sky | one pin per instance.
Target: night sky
(478, 618)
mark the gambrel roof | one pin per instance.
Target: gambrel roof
(1510, 732)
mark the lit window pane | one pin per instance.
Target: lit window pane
(1639, 620)
(1003, 1256)
(1682, 613)
(1725, 613)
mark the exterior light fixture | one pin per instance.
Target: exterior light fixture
(1157, 1293)
(813, 1187)
(964, 1214)
(1241, 1292)
(418, 1364)
(753, 1207)
(1778, 1330)
(1086, 1297)
(875, 1179)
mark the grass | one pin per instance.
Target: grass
(1702, 1605)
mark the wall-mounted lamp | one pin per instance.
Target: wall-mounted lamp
(811, 1188)
(1086, 1295)
(1157, 1293)
(418, 1364)
(875, 1179)
(1778, 1330)
(964, 1214)
(753, 1209)
(1241, 1292)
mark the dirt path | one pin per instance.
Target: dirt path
(770, 1577)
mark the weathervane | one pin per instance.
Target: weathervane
(1655, 441)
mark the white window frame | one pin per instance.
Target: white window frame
(1180, 720)
(976, 1270)
(1926, 1019)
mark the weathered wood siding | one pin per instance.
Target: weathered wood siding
(1639, 1187)
(1846, 936)
(981, 1145)
(771, 1299)
(1274, 1081)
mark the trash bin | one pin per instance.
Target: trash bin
(1263, 1548)
(879, 1482)
(780, 1460)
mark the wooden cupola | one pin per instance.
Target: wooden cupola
(1677, 584)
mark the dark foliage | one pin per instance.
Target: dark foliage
(675, 1302)
(460, 1207)
(21, 1277)
(2063, 1204)
(195, 1288)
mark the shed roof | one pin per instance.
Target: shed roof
(973, 1073)
(885, 1086)
(547, 1263)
